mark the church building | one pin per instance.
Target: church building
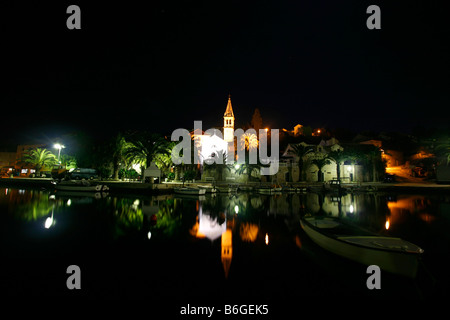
(215, 143)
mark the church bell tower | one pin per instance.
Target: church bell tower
(228, 123)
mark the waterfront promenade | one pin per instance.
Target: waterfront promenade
(167, 187)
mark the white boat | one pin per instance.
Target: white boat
(208, 188)
(269, 190)
(189, 190)
(393, 255)
(224, 189)
(245, 188)
(289, 189)
(82, 185)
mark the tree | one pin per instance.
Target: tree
(164, 160)
(39, 158)
(117, 146)
(249, 169)
(320, 163)
(143, 147)
(256, 122)
(338, 156)
(300, 151)
(249, 142)
(68, 161)
(181, 168)
(374, 156)
(442, 150)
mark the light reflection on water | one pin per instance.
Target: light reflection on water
(230, 224)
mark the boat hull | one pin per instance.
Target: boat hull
(209, 189)
(353, 248)
(97, 188)
(190, 191)
(269, 190)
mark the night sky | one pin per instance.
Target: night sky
(163, 65)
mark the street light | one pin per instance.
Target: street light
(59, 147)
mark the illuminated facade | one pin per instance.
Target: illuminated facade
(212, 147)
(212, 144)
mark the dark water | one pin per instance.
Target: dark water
(242, 248)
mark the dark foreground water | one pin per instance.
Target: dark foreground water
(236, 249)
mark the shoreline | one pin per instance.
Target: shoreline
(167, 188)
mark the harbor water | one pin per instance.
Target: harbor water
(239, 247)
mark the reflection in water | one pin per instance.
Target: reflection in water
(211, 226)
(248, 232)
(49, 221)
(159, 214)
(164, 214)
(387, 224)
(128, 215)
(227, 250)
(251, 227)
(27, 205)
(415, 205)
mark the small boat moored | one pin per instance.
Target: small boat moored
(270, 190)
(225, 189)
(245, 188)
(83, 185)
(391, 254)
(208, 188)
(190, 191)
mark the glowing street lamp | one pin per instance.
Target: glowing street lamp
(59, 147)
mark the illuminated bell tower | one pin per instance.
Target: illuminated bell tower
(228, 123)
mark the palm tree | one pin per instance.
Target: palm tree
(68, 161)
(249, 142)
(338, 156)
(143, 147)
(374, 156)
(164, 160)
(300, 151)
(320, 163)
(249, 169)
(39, 158)
(442, 150)
(117, 146)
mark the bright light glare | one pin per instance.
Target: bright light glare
(387, 224)
(236, 209)
(266, 239)
(48, 222)
(58, 146)
(237, 166)
(69, 202)
(351, 208)
(149, 235)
